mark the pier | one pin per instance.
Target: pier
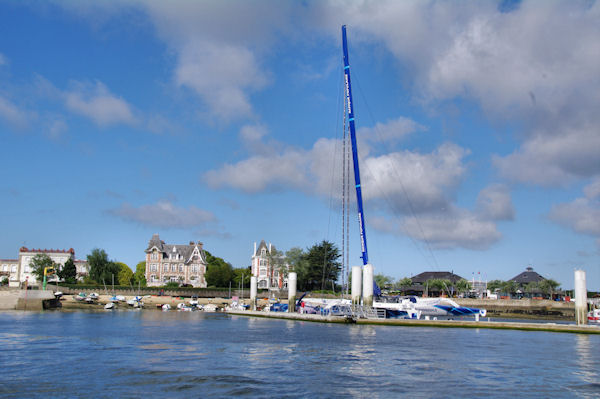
(522, 326)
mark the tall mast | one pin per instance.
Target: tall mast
(350, 105)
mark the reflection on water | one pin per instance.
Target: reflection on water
(194, 354)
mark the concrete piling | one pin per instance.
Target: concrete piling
(356, 284)
(581, 308)
(253, 290)
(368, 285)
(292, 282)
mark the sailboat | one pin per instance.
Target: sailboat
(403, 307)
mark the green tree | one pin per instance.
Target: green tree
(462, 286)
(139, 277)
(68, 273)
(402, 284)
(510, 287)
(532, 288)
(322, 266)
(39, 263)
(101, 269)
(549, 286)
(242, 275)
(495, 285)
(218, 272)
(438, 285)
(125, 275)
(383, 281)
(296, 259)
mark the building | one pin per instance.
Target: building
(420, 286)
(269, 267)
(528, 276)
(19, 270)
(182, 264)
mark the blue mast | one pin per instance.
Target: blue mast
(361, 218)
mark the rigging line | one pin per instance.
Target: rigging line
(405, 192)
(331, 195)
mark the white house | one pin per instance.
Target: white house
(269, 267)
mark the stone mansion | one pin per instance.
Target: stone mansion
(182, 264)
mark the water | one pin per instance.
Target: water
(131, 354)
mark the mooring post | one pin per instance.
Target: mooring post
(356, 284)
(368, 285)
(292, 282)
(580, 298)
(253, 290)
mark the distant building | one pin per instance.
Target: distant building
(420, 287)
(269, 268)
(528, 276)
(19, 270)
(182, 264)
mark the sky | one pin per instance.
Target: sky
(478, 130)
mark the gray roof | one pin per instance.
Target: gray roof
(184, 250)
(422, 277)
(528, 276)
(264, 245)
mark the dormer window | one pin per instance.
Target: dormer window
(263, 252)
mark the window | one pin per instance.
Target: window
(27, 269)
(181, 268)
(262, 272)
(153, 278)
(165, 267)
(154, 256)
(263, 252)
(4, 268)
(174, 279)
(194, 268)
(173, 267)
(153, 267)
(13, 269)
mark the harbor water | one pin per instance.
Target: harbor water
(133, 354)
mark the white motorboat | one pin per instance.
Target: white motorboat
(109, 306)
(166, 307)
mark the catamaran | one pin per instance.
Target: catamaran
(403, 307)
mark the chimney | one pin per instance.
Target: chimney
(191, 243)
(254, 253)
(200, 245)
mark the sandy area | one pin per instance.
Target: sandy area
(152, 301)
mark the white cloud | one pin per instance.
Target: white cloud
(392, 130)
(97, 103)
(164, 214)
(13, 114)
(494, 203)
(262, 172)
(582, 215)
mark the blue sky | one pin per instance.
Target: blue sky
(220, 122)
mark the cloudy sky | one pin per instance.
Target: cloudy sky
(221, 122)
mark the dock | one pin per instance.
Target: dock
(522, 326)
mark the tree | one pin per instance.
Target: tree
(402, 284)
(139, 277)
(382, 280)
(101, 269)
(39, 263)
(549, 286)
(68, 273)
(218, 272)
(438, 285)
(125, 275)
(322, 267)
(462, 286)
(510, 287)
(495, 285)
(242, 275)
(296, 259)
